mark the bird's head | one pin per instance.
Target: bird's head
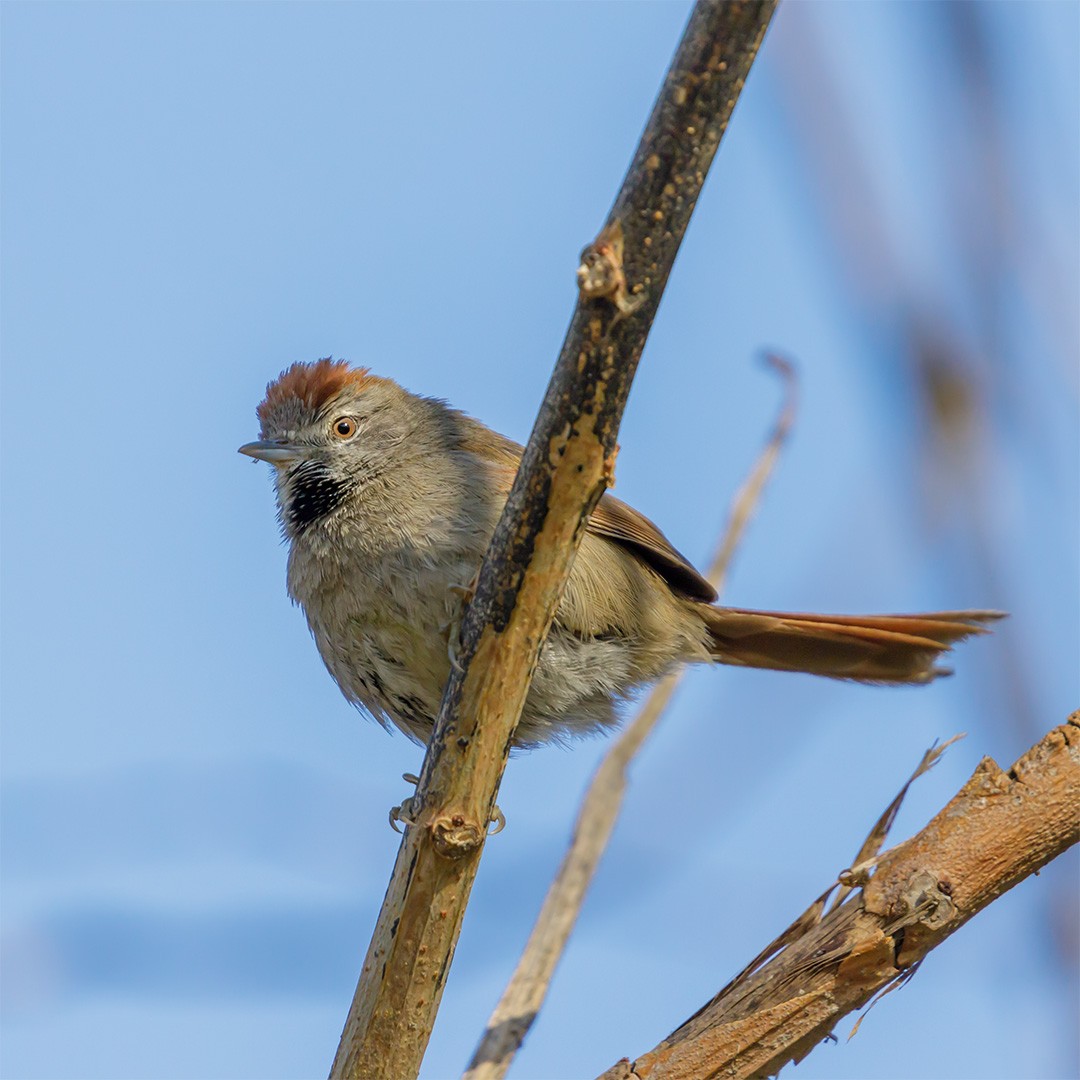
(329, 430)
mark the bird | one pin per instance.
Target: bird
(388, 499)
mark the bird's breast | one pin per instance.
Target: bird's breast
(382, 627)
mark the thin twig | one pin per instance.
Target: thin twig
(527, 988)
(848, 880)
(749, 495)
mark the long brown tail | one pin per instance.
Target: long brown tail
(869, 648)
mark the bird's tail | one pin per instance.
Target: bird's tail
(867, 648)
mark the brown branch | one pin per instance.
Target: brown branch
(520, 1003)
(568, 462)
(998, 829)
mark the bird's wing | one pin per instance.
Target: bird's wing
(612, 519)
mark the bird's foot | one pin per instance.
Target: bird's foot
(404, 814)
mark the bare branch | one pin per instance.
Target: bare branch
(525, 992)
(568, 462)
(998, 829)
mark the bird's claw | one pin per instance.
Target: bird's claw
(401, 815)
(498, 820)
(464, 592)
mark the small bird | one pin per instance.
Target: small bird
(388, 501)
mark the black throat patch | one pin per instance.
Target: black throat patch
(314, 492)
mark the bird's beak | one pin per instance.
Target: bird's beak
(276, 451)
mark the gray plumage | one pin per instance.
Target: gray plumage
(388, 501)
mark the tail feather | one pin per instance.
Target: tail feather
(867, 648)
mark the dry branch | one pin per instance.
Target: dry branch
(520, 1003)
(998, 829)
(567, 464)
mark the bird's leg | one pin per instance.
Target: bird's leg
(452, 630)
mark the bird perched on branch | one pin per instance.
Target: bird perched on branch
(388, 501)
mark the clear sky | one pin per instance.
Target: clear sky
(196, 195)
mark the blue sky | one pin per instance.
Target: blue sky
(195, 196)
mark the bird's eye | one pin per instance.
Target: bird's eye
(344, 427)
